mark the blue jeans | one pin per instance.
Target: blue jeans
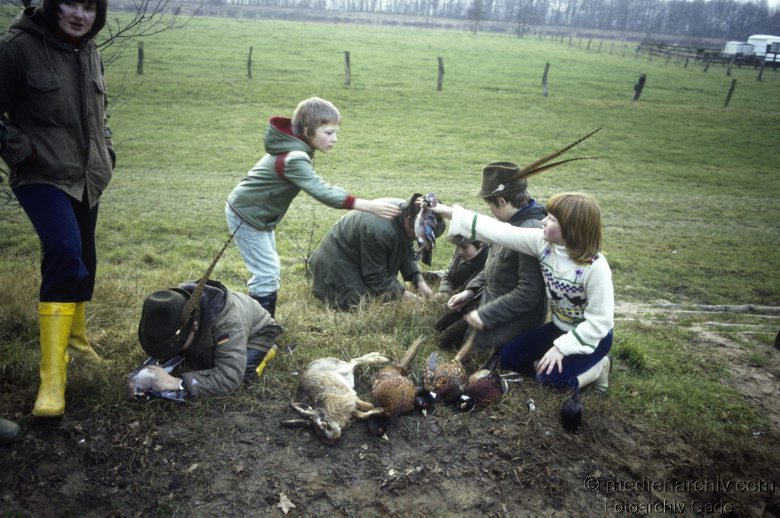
(66, 229)
(521, 353)
(258, 249)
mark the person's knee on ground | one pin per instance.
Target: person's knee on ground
(598, 375)
(447, 319)
(452, 337)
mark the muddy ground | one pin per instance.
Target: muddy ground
(229, 456)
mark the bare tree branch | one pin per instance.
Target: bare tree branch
(150, 17)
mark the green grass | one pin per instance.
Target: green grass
(689, 189)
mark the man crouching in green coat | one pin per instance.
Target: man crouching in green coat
(361, 255)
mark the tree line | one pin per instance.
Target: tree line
(726, 19)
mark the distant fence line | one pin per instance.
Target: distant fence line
(678, 54)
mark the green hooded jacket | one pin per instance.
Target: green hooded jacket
(53, 103)
(264, 195)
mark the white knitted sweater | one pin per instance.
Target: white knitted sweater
(581, 295)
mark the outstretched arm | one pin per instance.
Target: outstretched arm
(439, 209)
(383, 209)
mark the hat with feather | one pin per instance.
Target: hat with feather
(168, 315)
(503, 178)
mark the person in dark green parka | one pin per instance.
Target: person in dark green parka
(361, 256)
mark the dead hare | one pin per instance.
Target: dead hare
(326, 397)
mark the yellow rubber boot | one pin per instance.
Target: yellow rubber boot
(266, 360)
(55, 320)
(78, 335)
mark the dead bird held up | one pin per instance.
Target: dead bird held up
(425, 226)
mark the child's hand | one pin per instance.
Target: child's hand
(383, 209)
(459, 300)
(408, 295)
(550, 359)
(472, 319)
(424, 289)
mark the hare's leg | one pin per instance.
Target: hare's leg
(368, 358)
(357, 414)
(363, 405)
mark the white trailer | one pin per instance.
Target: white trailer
(737, 48)
(766, 47)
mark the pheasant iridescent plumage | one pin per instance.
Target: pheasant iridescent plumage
(444, 380)
(392, 389)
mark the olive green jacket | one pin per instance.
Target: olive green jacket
(361, 256)
(53, 103)
(231, 322)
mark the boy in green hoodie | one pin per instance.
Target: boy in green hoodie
(262, 198)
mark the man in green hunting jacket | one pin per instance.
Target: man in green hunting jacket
(362, 254)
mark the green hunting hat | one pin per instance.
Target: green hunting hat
(499, 178)
(161, 331)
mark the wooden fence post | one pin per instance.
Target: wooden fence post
(440, 81)
(249, 64)
(760, 75)
(639, 86)
(544, 79)
(731, 91)
(706, 65)
(625, 47)
(139, 69)
(347, 69)
(636, 55)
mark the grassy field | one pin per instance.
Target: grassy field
(690, 189)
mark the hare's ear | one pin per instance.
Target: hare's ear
(295, 423)
(305, 410)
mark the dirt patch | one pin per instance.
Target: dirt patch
(230, 456)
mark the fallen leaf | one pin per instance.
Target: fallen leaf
(284, 503)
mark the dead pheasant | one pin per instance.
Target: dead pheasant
(393, 391)
(483, 388)
(392, 388)
(444, 380)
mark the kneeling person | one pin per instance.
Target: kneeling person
(229, 337)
